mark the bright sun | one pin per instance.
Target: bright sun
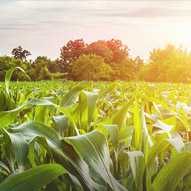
(182, 33)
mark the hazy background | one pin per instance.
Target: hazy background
(43, 26)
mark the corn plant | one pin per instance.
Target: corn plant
(90, 136)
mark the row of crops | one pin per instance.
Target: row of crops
(66, 136)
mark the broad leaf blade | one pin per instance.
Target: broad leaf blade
(33, 179)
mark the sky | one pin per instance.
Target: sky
(44, 26)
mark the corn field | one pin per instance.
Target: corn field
(75, 136)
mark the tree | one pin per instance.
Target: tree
(55, 66)
(40, 70)
(100, 48)
(90, 67)
(20, 53)
(127, 69)
(169, 64)
(119, 50)
(71, 52)
(45, 69)
(112, 51)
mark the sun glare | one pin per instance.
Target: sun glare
(181, 34)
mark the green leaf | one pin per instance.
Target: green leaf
(61, 122)
(171, 174)
(121, 116)
(70, 97)
(8, 76)
(8, 117)
(17, 145)
(92, 147)
(33, 179)
(133, 159)
(91, 104)
(64, 154)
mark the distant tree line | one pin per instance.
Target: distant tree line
(101, 61)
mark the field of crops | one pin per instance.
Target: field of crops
(74, 136)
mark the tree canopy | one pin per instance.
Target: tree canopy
(20, 53)
(114, 53)
(102, 60)
(169, 64)
(91, 67)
